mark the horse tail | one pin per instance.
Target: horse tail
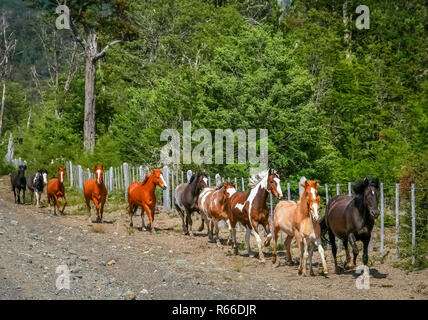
(324, 229)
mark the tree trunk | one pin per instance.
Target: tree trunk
(3, 96)
(89, 121)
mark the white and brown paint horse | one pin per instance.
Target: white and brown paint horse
(214, 206)
(300, 220)
(249, 208)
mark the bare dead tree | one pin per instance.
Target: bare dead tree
(7, 50)
(92, 55)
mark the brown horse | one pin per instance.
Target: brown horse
(352, 219)
(142, 194)
(186, 200)
(56, 190)
(300, 220)
(249, 208)
(214, 206)
(96, 190)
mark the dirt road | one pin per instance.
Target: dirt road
(162, 265)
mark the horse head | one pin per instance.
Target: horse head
(229, 187)
(44, 174)
(198, 181)
(157, 178)
(99, 170)
(368, 189)
(21, 170)
(61, 174)
(311, 193)
(273, 184)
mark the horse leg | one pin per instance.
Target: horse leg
(229, 237)
(131, 212)
(14, 193)
(234, 244)
(266, 226)
(287, 245)
(97, 206)
(102, 209)
(321, 252)
(348, 256)
(88, 204)
(55, 199)
(189, 223)
(259, 241)
(311, 252)
(301, 248)
(353, 243)
(150, 215)
(143, 224)
(182, 216)
(366, 241)
(32, 196)
(19, 196)
(217, 237)
(275, 242)
(64, 203)
(203, 218)
(305, 255)
(332, 240)
(247, 241)
(23, 196)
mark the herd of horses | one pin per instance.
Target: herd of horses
(350, 218)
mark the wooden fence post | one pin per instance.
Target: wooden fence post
(413, 224)
(243, 184)
(301, 189)
(288, 191)
(381, 220)
(79, 167)
(189, 175)
(71, 173)
(339, 242)
(126, 178)
(397, 222)
(349, 189)
(172, 190)
(111, 179)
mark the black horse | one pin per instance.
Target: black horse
(19, 182)
(36, 182)
(186, 200)
(352, 219)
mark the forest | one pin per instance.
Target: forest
(340, 102)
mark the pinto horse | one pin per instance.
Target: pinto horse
(56, 190)
(300, 220)
(249, 208)
(186, 200)
(96, 190)
(35, 183)
(18, 181)
(352, 219)
(142, 194)
(214, 206)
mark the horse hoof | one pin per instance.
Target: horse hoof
(312, 274)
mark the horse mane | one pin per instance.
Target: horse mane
(256, 178)
(145, 180)
(219, 186)
(192, 178)
(360, 185)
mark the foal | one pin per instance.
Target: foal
(300, 220)
(214, 206)
(56, 190)
(96, 190)
(142, 194)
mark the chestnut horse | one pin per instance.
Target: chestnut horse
(186, 200)
(142, 194)
(56, 190)
(249, 208)
(214, 206)
(352, 219)
(96, 190)
(300, 220)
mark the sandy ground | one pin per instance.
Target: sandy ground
(163, 265)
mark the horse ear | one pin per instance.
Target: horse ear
(366, 181)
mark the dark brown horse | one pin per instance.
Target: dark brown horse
(352, 219)
(186, 200)
(249, 208)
